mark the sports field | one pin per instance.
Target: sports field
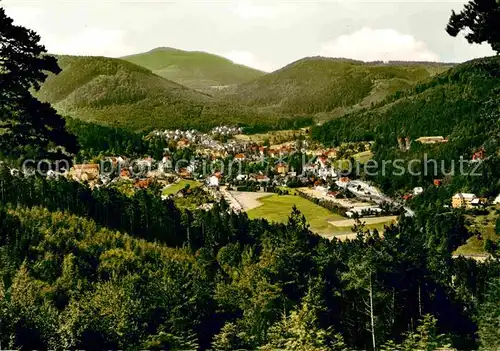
(277, 208)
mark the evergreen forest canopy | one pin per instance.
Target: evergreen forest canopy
(180, 280)
(323, 85)
(120, 94)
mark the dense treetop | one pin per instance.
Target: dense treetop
(180, 280)
(480, 18)
(27, 126)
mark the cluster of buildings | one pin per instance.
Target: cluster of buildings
(139, 172)
(186, 138)
(269, 163)
(226, 130)
(469, 200)
(432, 140)
(404, 144)
(279, 172)
(364, 200)
(183, 138)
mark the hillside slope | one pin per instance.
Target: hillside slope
(118, 93)
(318, 84)
(462, 104)
(194, 69)
(449, 104)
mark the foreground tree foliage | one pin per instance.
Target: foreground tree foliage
(28, 127)
(481, 18)
(489, 321)
(424, 338)
(186, 280)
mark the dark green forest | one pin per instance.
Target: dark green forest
(319, 84)
(73, 278)
(120, 94)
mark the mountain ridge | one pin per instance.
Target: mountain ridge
(319, 84)
(195, 69)
(121, 94)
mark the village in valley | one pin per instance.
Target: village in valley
(265, 175)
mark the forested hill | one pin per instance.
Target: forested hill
(194, 69)
(451, 104)
(121, 94)
(318, 84)
(462, 104)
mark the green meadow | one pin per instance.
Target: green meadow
(174, 188)
(277, 208)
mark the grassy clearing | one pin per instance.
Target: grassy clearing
(364, 156)
(174, 188)
(485, 225)
(277, 208)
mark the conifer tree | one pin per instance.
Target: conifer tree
(28, 126)
(482, 20)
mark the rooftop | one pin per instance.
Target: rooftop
(466, 196)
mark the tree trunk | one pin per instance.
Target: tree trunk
(419, 300)
(372, 316)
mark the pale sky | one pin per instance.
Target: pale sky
(265, 35)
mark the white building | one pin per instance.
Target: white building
(327, 172)
(321, 189)
(342, 183)
(497, 200)
(262, 179)
(418, 190)
(213, 181)
(310, 168)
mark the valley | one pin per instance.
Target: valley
(314, 192)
